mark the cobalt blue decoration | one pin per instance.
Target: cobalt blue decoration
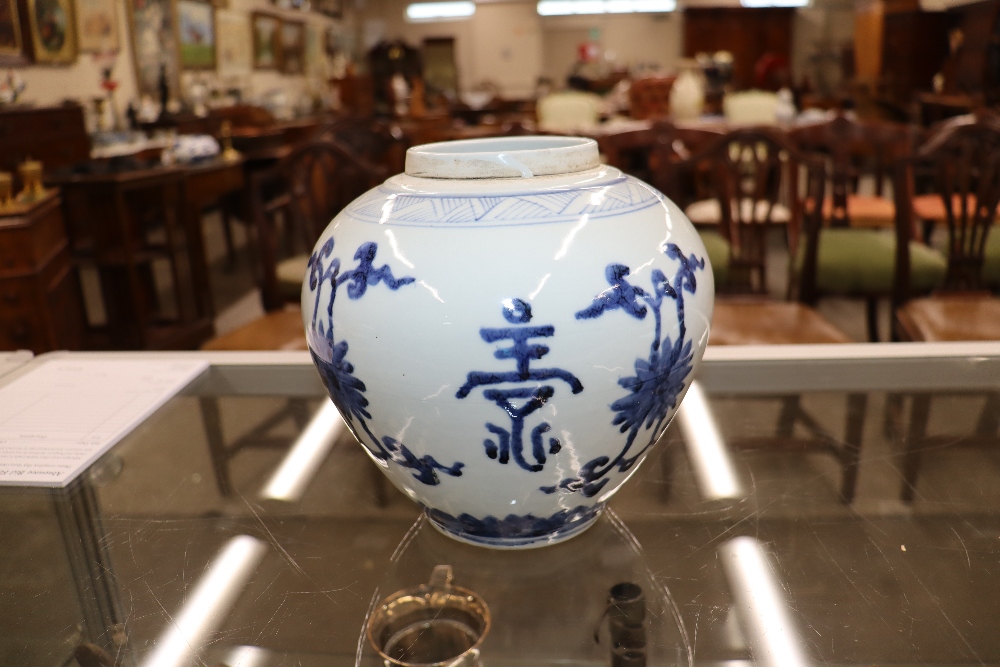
(347, 391)
(515, 530)
(659, 379)
(517, 311)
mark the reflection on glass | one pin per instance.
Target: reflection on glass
(292, 477)
(206, 608)
(246, 656)
(713, 467)
(763, 612)
(550, 605)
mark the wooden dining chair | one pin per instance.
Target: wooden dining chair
(962, 161)
(291, 205)
(755, 184)
(855, 251)
(758, 320)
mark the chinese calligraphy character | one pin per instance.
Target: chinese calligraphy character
(510, 442)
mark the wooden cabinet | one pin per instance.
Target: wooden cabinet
(40, 302)
(55, 135)
(747, 33)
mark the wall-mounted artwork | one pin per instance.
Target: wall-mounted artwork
(11, 41)
(234, 47)
(293, 47)
(154, 45)
(332, 8)
(266, 41)
(53, 31)
(196, 33)
(97, 25)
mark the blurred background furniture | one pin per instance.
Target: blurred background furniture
(41, 306)
(292, 203)
(963, 162)
(854, 249)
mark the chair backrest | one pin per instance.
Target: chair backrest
(751, 107)
(962, 162)
(756, 181)
(651, 153)
(300, 195)
(650, 97)
(377, 141)
(569, 110)
(854, 147)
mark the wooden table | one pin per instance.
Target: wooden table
(125, 225)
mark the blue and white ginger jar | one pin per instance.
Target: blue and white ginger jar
(507, 328)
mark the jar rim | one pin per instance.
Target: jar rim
(503, 157)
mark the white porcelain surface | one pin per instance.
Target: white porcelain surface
(427, 283)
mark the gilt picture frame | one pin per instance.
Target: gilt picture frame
(196, 34)
(53, 31)
(97, 26)
(11, 37)
(154, 45)
(266, 29)
(293, 47)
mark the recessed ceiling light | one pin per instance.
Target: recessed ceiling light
(433, 11)
(576, 7)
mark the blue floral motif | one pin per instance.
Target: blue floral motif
(346, 390)
(514, 529)
(531, 398)
(658, 380)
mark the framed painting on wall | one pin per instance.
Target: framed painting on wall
(266, 41)
(234, 46)
(196, 34)
(53, 31)
(11, 41)
(154, 45)
(293, 47)
(97, 25)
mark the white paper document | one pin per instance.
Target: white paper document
(62, 416)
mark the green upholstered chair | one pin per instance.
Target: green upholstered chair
(754, 178)
(854, 257)
(292, 203)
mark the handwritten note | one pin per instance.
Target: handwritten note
(61, 417)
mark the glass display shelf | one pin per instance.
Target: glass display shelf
(809, 505)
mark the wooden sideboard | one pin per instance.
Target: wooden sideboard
(41, 306)
(56, 136)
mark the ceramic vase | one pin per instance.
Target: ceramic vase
(507, 328)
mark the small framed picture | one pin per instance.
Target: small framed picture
(11, 40)
(97, 25)
(293, 47)
(266, 41)
(53, 31)
(196, 34)
(154, 44)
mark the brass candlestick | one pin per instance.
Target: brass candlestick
(6, 191)
(31, 176)
(229, 154)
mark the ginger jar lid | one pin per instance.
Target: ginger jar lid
(502, 157)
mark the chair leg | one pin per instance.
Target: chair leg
(871, 315)
(989, 419)
(920, 411)
(857, 407)
(212, 421)
(790, 407)
(227, 234)
(895, 405)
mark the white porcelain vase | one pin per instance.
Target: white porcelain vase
(508, 328)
